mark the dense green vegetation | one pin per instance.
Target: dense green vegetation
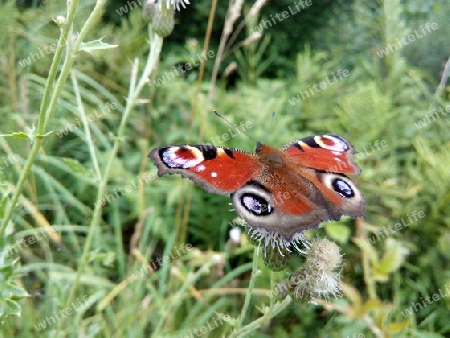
(85, 94)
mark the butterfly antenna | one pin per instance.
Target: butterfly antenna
(235, 126)
(270, 126)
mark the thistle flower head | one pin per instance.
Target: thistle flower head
(320, 276)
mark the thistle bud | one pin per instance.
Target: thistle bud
(60, 20)
(275, 258)
(276, 248)
(160, 17)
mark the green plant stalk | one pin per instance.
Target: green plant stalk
(251, 285)
(257, 323)
(155, 49)
(86, 126)
(43, 112)
(50, 98)
(368, 277)
(181, 226)
(273, 285)
(66, 30)
(169, 308)
(273, 310)
(367, 268)
(72, 53)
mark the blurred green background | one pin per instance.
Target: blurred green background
(52, 251)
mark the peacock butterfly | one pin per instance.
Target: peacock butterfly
(285, 190)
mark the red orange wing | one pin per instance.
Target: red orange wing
(217, 170)
(330, 153)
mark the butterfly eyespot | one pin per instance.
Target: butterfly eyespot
(183, 157)
(343, 188)
(256, 204)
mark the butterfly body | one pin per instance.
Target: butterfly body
(287, 190)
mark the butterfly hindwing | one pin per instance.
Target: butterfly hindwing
(331, 153)
(330, 156)
(276, 207)
(351, 199)
(294, 192)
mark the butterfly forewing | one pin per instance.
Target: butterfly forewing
(218, 170)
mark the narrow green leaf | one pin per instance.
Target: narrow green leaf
(75, 165)
(18, 135)
(394, 327)
(46, 134)
(95, 45)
